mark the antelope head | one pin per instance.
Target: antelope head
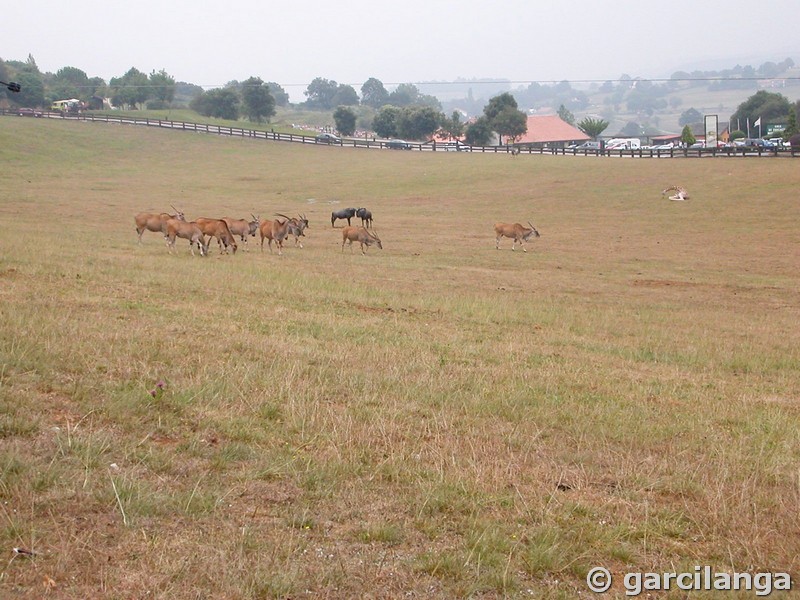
(178, 214)
(533, 230)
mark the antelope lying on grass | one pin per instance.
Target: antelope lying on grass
(297, 225)
(679, 195)
(242, 228)
(274, 230)
(219, 229)
(187, 231)
(361, 235)
(520, 233)
(156, 222)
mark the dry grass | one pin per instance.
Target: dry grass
(437, 419)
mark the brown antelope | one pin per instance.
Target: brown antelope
(219, 229)
(187, 231)
(297, 225)
(274, 230)
(519, 232)
(156, 222)
(362, 235)
(243, 227)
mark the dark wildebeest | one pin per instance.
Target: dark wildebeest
(155, 222)
(361, 235)
(242, 227)
(345, 213)
(520, 233)
(365, 216)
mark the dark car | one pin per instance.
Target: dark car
(328, 138)
(399, 145)
(29, 112)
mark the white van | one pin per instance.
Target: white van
(623, 144)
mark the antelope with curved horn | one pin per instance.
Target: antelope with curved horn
(274, 230)
(156, 222)
(297, 225)
(362, 235)
(518, 232)
(243, 228)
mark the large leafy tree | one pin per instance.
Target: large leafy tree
(566, 115)
(345, 120)
(373, 93)
(593, 127)
(345, 96)
(452, 127)
(503, 116)
(257, 101)
(31, 82)
(221, 103)
(479, 132)
(690, 117)
(418, 122)
(162, 86)
(768, 106)
(70, 82)
(131, 89)
(385, 122)
(320, 93)
(280, 95)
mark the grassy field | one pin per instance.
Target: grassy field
(437, 419)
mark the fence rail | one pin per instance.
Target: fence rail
(738, 151)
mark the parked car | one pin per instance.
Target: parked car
(667, 146)
(29, 112)
(454, 147)
(328, 138)
(399, 145)
(588, 146)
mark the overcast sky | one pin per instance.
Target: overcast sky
(291, 43)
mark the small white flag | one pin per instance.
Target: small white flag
(757, 123)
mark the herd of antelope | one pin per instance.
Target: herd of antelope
(202, 230)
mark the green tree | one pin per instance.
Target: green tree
(593, 127)
(257, 101)
(687, 137)
(791, 126)
(566, 115)
(767, 106)
(405, 94)
(31, 92)
(345, 120)
(373, 93)
(69, 82)
(131, 89)
(222, 103)
(385, 122)
(504, 118)
(479, 132)
(320, 93)
(418, 122)
(690, 117)
(345, 96)
(452, 127)
(162, 87)
(278, 93)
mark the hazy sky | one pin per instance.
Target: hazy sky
(209, 44)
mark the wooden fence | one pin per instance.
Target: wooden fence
(737, 151)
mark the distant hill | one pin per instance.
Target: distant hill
(655, 105)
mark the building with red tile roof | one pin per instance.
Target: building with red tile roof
(550, 129)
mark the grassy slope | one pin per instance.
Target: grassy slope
(438, 417)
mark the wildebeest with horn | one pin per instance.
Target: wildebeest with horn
(345, 213)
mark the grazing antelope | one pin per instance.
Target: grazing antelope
(219, 229)
(361, 235)
(242, 228)
(274, 230)
(156, 222)
(680, 193)
(297, 225)
(519, 232)
(366, 217)
(345, 213)
(177, 228)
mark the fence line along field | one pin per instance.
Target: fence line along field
(434, 419)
